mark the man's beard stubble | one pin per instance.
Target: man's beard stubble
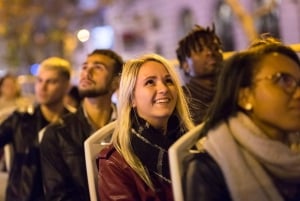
(92, 93)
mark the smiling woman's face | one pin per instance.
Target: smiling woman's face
(155, 94)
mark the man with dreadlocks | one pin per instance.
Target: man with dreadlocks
(200, 57)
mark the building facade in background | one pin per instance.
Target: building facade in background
(73, 28)
(142, 26)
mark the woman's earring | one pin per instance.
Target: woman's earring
(248, 106)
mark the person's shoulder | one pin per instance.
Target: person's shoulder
(107, 152)
(202, 156)
(202, 174)
(66, 127)
(61, 123)
(26, 113)
(73, 117)
(202, 163)
(109, 157)
(110, 154)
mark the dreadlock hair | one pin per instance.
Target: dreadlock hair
(195, 40)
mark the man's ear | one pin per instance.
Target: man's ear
(245, 99)
(185, 68)
(115, 83)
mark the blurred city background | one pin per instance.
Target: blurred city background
(31, 30)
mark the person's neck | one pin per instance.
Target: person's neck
(160, 124)
(274, 133)
(202, 79)
(205, 82)
(52, 112)
(98, 109)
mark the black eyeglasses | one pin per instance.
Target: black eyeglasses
(284, 80)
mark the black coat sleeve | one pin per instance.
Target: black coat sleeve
(7, 129)
(58, 176)
(203, 179)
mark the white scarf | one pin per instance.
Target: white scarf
(244, 153)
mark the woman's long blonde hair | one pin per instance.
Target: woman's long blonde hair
(121, 135)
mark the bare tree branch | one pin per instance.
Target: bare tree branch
(245, 18)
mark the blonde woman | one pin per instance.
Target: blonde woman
(152, 115)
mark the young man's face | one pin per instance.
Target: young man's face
(96, 76)
(205, 62)
(50, 87)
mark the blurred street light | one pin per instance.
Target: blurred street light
(83, 35)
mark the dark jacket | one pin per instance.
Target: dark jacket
(25, 178)
(204, 180)
(63, 161)
(130, 186)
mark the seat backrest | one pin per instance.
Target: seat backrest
(92, 147)
(8, 156)
(177, 153)
(3, 184)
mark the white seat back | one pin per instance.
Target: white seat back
(177, 153)
(3, 184)
(8, 156)
(92, 147)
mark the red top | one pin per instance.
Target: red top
(118, 181)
